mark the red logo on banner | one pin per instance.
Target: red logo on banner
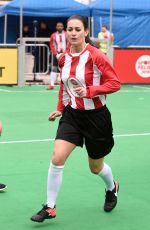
(142, 66)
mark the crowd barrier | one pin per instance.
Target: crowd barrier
(30, 61)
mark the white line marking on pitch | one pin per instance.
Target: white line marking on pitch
(52, 139)
(26, 141)
(5, 90)
(134, 91)
(26, 91)
(143, 90)
(141, 87)
(56, 91)
(132, 135)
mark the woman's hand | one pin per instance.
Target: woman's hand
(53, 115)
(81, 91)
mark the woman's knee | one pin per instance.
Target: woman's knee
(61, 152)
(96, 165)
(57, 160)
(95, 170)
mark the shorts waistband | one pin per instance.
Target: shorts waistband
(86, 111)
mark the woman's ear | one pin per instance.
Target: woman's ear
(86, 33)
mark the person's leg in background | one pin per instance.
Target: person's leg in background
(2, 186)
(54, 73)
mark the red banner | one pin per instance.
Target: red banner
(132, 65)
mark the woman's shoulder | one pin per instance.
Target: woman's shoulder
(97, 56)
(94, 51)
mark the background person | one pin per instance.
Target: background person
(26, 31)
(106, 39)
(58, 45)
(85, 117)
(43, 32)
(29, 57)
(2, 186)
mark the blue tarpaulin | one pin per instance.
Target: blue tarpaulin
(130, 20)
(51, 10)
(45, 8)
(122, 8)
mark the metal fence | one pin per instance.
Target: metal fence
(34, 59)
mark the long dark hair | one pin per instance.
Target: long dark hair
(84, 21)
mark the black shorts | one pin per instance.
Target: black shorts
(91, 127)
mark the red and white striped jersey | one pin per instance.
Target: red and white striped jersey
(58, 42)
(93, 69)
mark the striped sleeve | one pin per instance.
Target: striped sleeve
(63, 98)
(109, 80)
